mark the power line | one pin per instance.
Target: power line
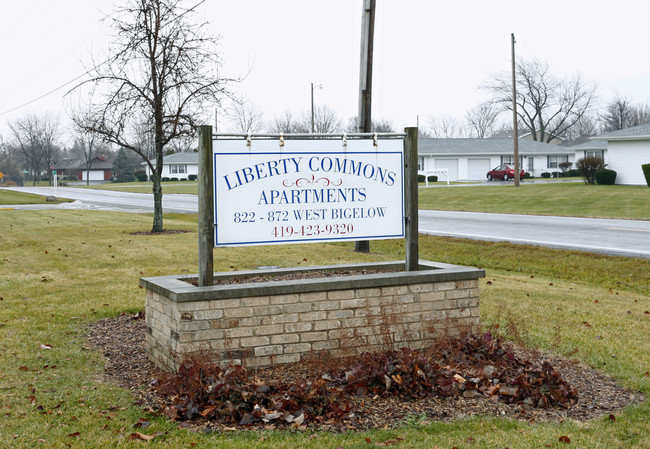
(80, 76)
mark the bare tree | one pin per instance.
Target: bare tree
(163, 68)
(379, 126)
(482, 119)
(87, 147)
(586, 126)
(546, 104)
(444, 126)
(620, 113)
(36, 139)
(325, 120)
(287, 124)
(245, 116)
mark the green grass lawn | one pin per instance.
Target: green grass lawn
(11, 197)
(61, 270)
(569, 199)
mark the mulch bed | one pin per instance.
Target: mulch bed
(122, 342)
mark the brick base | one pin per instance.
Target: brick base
(286, 321)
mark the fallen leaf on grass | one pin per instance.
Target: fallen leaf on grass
(612, 418)
(141, 436)
(142, 422)
(564, 439)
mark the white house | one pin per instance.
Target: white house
(627, 150)
(590, 148)
(471, 159)
(178, 165)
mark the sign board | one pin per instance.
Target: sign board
(295, 191)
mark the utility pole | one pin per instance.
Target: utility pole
(515, 133)
(365, 83)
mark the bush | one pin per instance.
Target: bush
(556, 174)
(192, 177)
(433, 178)
(183, 179)
(572, 173)
(605, 177)
(546, 175)
(174, 179)
(646, 173)
(588, 167)
(164, 179)
(527, 175)
(142, 177)
(421, 178)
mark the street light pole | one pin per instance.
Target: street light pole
(312, 108)
(320, 86)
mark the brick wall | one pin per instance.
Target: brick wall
(343, 316)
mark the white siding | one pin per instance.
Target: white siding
(477, 169)
(626, 158)
(451, 165)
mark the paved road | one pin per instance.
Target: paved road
(629, 238)
(112, 200)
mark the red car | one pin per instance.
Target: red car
(504, 172)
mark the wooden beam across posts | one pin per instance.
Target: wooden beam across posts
(206, 207)
(411, 198)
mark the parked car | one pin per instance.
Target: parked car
(504, 172)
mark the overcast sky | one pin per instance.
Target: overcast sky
(431, 57)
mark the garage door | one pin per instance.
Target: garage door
(452, 168)
(477, 169)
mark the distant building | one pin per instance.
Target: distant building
(471, 159)
(177, 165)
(100, 169)
(628, 149)
(590, 148)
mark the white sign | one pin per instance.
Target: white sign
(296, 191)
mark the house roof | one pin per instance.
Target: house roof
(78, 164)
(181, 158)
(589, 145)
(640, 132)
(464, 147)
(521, 134)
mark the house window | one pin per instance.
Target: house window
(554, 161)
(510, 160)
(594, 153)
(178, 169)
(420, 163)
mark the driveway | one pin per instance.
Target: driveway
(627, 238)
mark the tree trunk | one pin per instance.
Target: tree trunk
(157, 204)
